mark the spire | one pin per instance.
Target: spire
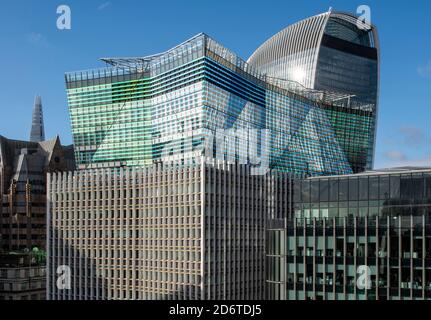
(37, 129)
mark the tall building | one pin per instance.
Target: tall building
(162, 232)
(23, 168)
(174, 105)
(37, 133)
(356, 237)
(332, 51)
(209, 141)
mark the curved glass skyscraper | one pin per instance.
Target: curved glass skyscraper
(331, 52)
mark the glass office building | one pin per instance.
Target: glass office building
(200, 99)
(332, 51)
(380, 220)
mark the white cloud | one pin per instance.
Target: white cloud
(425, 70)
(37, 39)
(413, 135)
(103, 6)
(398, 159)
(395, 155)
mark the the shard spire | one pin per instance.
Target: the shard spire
(37, 133)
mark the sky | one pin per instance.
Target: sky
(35, 54)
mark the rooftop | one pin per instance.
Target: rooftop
(383, 171)
(156, 64)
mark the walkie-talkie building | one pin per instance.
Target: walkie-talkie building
(332, 51)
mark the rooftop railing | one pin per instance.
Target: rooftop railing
(199, 46)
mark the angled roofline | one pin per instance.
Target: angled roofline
(133, 61)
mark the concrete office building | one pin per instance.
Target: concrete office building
(161, 232)
(379, 219)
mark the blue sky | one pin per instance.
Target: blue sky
(35, 55)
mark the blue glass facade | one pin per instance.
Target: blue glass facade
(199, 98)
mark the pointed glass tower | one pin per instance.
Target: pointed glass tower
(37, 133)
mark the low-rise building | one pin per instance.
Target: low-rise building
(354, 237)
(22, 276)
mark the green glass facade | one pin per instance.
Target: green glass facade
(198, 99)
